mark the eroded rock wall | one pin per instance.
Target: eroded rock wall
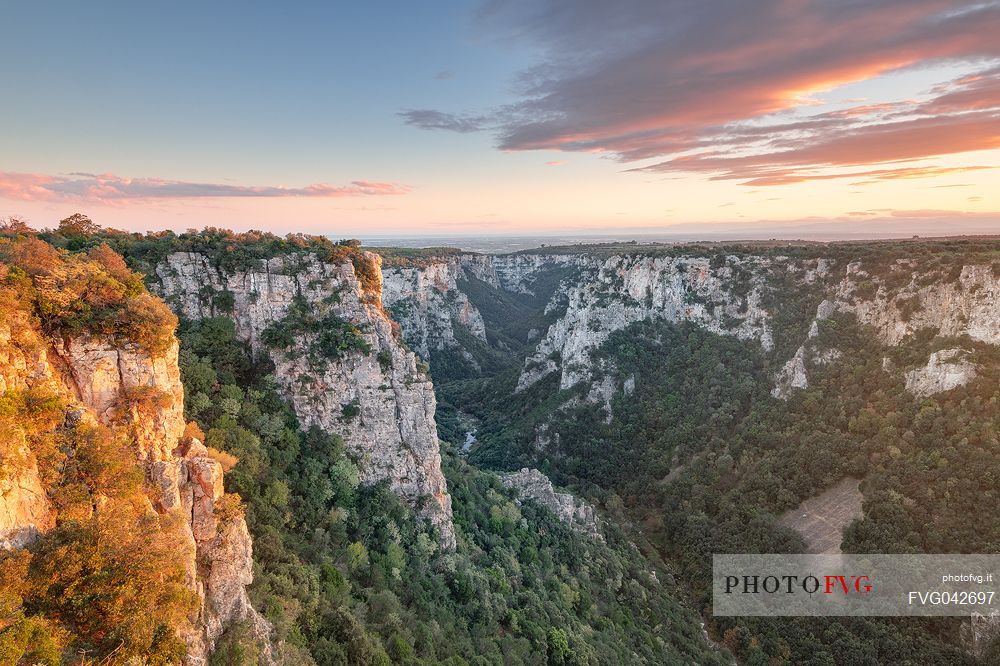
(125, 387)
(427, 303)
(393, 433)
(533, 484)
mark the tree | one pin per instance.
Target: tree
(78, 225)
(558, 647)
(15, 225)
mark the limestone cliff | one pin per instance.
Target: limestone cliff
(375, 397)
(620, 290)
(901, 301)
(946, 369)
(124, 386)
(427, 303)
(731, 295)
(532, 484)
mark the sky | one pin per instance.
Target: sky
(504, 116)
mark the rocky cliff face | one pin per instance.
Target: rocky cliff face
(427, 303)
(946, 369)
(725, 295)
(910, 298)
(125, 387)
(377, 399)
(604, 295)
(620, 290)
(900, 302)
(532, 484)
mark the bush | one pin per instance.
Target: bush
(95, 293)
(227, 460)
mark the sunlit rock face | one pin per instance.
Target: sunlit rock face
(392, 433)
(98, 379)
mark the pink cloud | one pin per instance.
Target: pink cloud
(847, 146)
(662, 79)
(109, 188)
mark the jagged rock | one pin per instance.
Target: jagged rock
(229, 572)
(791, 376)
(108, 374)
(124, 386)
(946, 369)
(427, 303)
(394, 436)
(576, 513)
(25, 510)
(969, 305)
(620, 290)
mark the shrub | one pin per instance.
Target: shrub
(329, 337)
(93, 293)
(193, 431)
(227, 460)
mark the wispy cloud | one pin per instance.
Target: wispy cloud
(670, 80)
(439, 120)
(109, 188)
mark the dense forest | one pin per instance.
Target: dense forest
(700, 458)
(349, 576)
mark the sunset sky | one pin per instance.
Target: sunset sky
(524, 116)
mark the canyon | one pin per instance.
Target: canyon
(382, 351)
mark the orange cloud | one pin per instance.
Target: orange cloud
(871, 176)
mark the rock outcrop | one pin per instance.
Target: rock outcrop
(793, 374)
(968, 304)
(946, 369)
(621, 290)
(427, 303)
(377, 399)
(979, 633)
(25, 510)
(126, 387)
(532, 484)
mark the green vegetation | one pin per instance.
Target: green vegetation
(348, 574)
(412, 257)
(968, 249)
(703, 459)
(327, 336)
(226, 250)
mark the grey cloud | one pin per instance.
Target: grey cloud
(438, 120)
